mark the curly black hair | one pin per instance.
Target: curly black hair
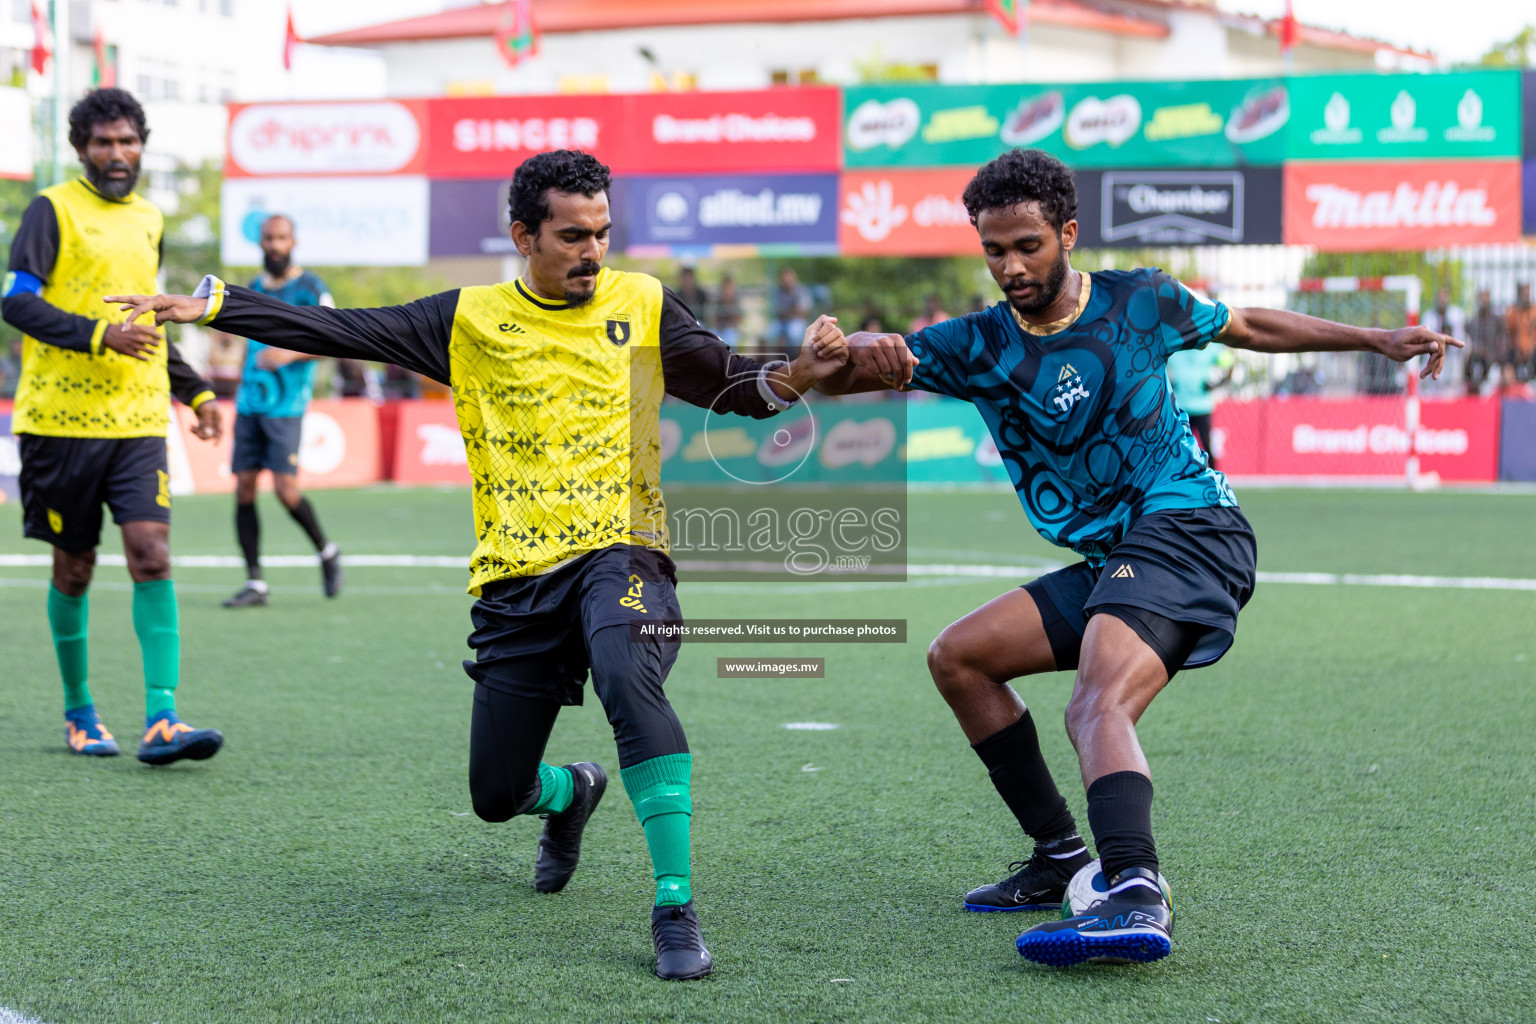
(564, 170)
(101, 106)
(1024, 176)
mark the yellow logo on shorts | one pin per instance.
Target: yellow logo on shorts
(163, 499)
(55, 521)
(1123, 573)
(632, 599)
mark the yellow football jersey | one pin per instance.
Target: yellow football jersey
(105, 248)
(559, 410)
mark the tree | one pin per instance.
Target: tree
(1519, 51)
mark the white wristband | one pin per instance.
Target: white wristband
(775, 403)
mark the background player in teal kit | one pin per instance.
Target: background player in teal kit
(275, 389)
(1069, 374)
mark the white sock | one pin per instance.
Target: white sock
(260, 586)
(329, 551)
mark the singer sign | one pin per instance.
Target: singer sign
(1362, 206)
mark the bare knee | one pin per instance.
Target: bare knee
(72, 572)
(245, 488)
(287, 487)
(950, 665)
(148, 556)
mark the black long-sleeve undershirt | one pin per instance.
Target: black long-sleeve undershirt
(35, 250)
(697, 366)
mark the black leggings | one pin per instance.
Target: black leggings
(507, 733)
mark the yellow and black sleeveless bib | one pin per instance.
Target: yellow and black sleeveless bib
(559, 411)
(105, 248)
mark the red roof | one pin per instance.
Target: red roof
(588, 15)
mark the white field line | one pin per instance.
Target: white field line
(12, 1017)
(925, 572)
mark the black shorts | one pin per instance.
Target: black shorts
(266, 442)
(65, 480)
(1191, 569)
(531, 632)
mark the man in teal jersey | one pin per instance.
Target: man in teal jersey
(275, 388)
(1069, 375)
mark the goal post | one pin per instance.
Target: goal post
(1393, 300)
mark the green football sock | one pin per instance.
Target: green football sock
(659, 790)
(67, 617)
(556, 788)
(159, 631)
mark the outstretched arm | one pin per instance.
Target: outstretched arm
(414, 336)
(1278, 330)
(876, 362)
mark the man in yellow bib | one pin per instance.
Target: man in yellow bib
(92, 410)
(557, 379)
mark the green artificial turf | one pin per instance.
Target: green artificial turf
(1344, 804)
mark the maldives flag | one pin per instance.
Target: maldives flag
(1290, 31)
(1006, 12)
(41, 51)
(516, 35)
(290, 40)
(104, 75)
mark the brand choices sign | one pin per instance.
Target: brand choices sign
(1362, 206)
(1357, 437)
(1240, 206)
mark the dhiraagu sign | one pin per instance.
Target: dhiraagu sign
(1435, 116)
(1114, 124)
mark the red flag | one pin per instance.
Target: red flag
(1289, 30)
(41, 51)
(104, 76)
(290, 40)
(517, 36)
(1006, 12)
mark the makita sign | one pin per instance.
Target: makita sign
(1179, 207)
(1402, 206)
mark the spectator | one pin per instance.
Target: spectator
(1485, 347)
(872, 324)
(728, 312)
(1445, 318)
(978, 304)
(1520, 333)
(1194, 375)
(693, 296)
(791, 308)
(933, 313)
(1511, 386)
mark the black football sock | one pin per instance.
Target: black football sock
(304, 514)
(248, 530)
(1013, 759)
(1120, 814)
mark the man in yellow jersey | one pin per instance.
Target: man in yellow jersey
(91, 415)
(557, 379)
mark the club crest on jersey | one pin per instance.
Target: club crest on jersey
(618, 329)
(1069, 390)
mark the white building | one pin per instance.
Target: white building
(639, 45)
(180, 58)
